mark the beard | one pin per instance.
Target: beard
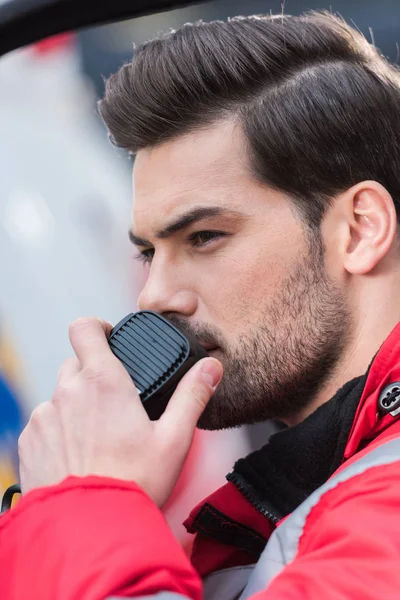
(278, 365)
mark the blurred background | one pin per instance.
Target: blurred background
(65, 204)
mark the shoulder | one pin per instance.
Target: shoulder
(363, 495)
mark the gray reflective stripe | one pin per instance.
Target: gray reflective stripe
(283, 544)
(227, 584)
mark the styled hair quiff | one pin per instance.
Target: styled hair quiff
(320, 107)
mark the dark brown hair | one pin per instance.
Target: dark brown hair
(320, 107)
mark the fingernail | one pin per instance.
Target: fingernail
(211, 373)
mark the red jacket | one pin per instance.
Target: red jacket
(95, 537)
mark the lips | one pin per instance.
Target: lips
(209, 348)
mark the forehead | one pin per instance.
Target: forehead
(204, 167)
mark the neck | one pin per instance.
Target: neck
(374, 325)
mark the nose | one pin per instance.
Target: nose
(166, 292)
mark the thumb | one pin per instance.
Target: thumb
(192, 394)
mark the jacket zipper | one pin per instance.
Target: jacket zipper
(248, 491)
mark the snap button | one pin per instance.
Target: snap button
(389, 399)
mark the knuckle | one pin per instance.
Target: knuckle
(67, 366)
(93, 374)
(60, 394)
(61, 371)
(24, 444)
(21, 441)
(39, 413)
(100, 379)
(39, 416)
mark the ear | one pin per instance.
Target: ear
(371, 226)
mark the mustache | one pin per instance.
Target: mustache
(205, 333)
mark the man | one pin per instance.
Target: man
(266, 199)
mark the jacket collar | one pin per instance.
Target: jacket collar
(385, 369)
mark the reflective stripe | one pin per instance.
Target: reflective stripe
(221, 585)
(283, 544)
(227, 584)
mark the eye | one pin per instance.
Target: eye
(145, 256)
(202, 238)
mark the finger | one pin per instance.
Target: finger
(89, 339)
(68, 369)
(192, 395)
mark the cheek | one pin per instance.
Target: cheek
(235, 288)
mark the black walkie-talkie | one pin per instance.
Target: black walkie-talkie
(155, 354)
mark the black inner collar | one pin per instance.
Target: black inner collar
(297, 460)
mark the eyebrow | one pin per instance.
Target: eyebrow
(182, 222)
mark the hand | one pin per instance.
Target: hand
(95, 422)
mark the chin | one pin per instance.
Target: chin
(218, 415)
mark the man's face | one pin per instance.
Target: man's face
(231, 263)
